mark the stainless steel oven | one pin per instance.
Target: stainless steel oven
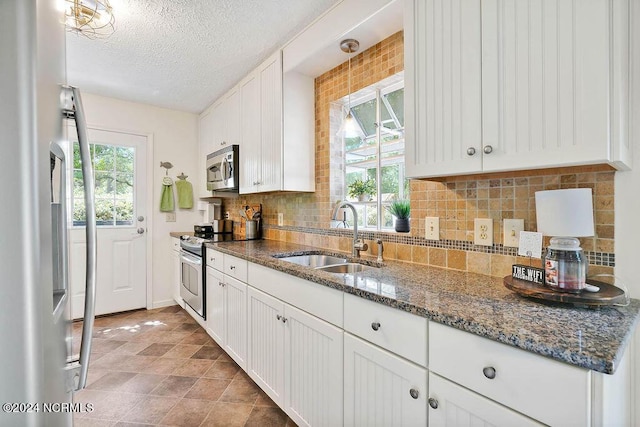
(192, 289)
(222, 170)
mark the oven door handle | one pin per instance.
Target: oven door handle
(190, 259)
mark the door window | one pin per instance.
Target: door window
(114, 172)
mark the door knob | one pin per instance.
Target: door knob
(140, 218)
(140, 230)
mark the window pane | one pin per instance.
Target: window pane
(396, 101)
(104, 184)
(79, 214)
(125, 157)
(105, 212)
(104, 157)
(124, 185)
(78, 184)
(124, 212)
(365, 113)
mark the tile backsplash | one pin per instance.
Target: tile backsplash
(455, 200)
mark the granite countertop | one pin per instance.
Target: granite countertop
(586, 337)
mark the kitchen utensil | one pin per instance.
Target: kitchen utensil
(249, 211)
(243, 214)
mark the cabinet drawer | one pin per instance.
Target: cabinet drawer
(235, 267)
(215, 259)
(395, 330)
(541, 388)
(175, 244)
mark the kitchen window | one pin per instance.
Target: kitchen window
(114, 175)
(377, 156)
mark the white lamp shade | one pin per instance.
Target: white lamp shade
(565, 212)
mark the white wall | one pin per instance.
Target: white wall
(174, 136)
(627, 208)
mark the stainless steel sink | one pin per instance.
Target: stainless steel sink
(348, 268)
(315, 260)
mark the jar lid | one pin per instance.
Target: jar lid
(565, 244)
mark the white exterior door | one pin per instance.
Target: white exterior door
(119, 161)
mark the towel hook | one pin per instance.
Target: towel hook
(166, 166)
(182, 176)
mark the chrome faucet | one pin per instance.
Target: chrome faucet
(358, 245)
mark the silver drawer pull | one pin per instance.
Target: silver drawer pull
(489, 372)
(488, 149)
(433, 403)
(471, 151)
(414, 393)
(232, 267)
(284, 319)
(375, 326)
(278, 317)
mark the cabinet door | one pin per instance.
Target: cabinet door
(175, 280)
(454, 406)
(313, 369)
(215, 305)
(233, 118)
(379, 387)
(250, 151)
(205, 129)
(266, 344)
(218, 118)
(545, 83)
(443, 114)
(235, 320)
(270, 74)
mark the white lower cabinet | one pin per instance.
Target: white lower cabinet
(380, 388)
(296, 358)
(226, 307)
(451, 405)
(177, 266)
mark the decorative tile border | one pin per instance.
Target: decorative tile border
(604, 259)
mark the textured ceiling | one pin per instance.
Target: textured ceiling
(184, 54)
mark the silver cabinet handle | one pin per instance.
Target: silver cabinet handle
(414, 393)
(489, 372)
(487, 149)
(284, 319)
(375, 326)
(471, 151)
(433, 403)
(232, 267)
(223, 143)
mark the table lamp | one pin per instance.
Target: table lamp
(565, 215)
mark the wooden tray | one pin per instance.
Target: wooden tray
(608, 294)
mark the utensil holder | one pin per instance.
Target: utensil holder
(252, 230)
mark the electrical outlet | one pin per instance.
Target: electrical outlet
(511, 233)
(432, 228)
(483, 231)
(280, 219)
(227, 215)
(171, 217)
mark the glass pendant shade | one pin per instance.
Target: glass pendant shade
(350, 128)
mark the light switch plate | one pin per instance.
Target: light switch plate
(432, 228)
(511, 232)
(280, 219)
(171, 217)
(483, 231)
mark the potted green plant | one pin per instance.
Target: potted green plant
(401, 210)
(362, 190)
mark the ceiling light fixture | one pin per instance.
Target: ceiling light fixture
(92, 18)
(349, 127)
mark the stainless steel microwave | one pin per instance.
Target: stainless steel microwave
(222, 169)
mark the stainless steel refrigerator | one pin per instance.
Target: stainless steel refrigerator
(38, 373)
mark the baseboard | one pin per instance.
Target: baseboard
(160, 304)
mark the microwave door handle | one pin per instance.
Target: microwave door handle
(225, 169)
(76, 111)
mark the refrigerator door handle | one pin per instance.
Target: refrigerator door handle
(72, 108)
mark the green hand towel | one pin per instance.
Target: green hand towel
(185, 194)
(166, 198)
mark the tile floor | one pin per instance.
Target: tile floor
(159, 367)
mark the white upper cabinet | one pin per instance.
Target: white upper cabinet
(206, 124)
(250, 123)
(443, 114)
(509, 85)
